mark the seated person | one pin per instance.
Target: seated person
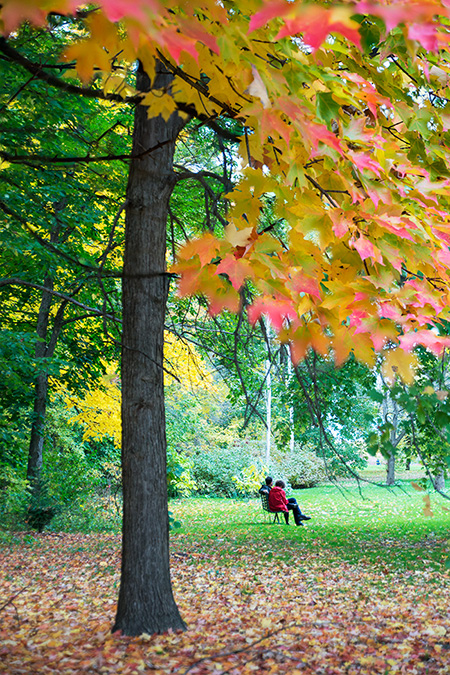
(279, 503)
(267, 486)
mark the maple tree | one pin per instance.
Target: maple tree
(98, 411)
(340, 114)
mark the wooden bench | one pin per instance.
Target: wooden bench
(265, 504)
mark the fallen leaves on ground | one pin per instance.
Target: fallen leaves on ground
(267, 608)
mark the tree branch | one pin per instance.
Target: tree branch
(36, 69)
(36, 160)
(16, 281)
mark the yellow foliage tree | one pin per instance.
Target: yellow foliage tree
(99, 411)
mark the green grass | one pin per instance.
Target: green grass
(385, 528)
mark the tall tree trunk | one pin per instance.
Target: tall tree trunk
(146, 603)
(45, 349)
(395, 435)
(40, 391)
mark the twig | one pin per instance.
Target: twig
(215, 657)
(13, 597)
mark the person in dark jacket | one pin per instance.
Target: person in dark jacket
(279, 503)
(266, 486)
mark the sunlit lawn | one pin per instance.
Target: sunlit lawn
(383, 526)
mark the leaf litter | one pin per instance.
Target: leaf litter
(271, 608)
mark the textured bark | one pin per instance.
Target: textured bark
(146, 602)
(439, 481)
(40, 391)
(45, 348)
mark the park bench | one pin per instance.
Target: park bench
(266, 508)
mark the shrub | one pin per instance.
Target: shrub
(250, 479)
(180, 481)
(90, 513)
(42, 507)
(213, 470)
(301, 468)
(13, 498)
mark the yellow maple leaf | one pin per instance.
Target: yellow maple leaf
(159, 103)
(401, 364)
(237, 237)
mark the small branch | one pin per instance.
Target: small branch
(429, 474)
(37, 160)
(36, 69)
(398, 64)
(199, 86)
(110, 246)
(13, 597)
(16, 281)
(323, 192)
(15, 95)
(186, 174)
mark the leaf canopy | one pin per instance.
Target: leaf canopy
(341, 112)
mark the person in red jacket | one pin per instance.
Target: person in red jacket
(279, 503)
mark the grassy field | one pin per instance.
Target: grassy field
(380, 526)
(362, 589)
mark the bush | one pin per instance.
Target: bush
(91, 513)
(236, 472)
(180, 481)
(300, 468)
(250, 479)
(213, 470)
(14, 498)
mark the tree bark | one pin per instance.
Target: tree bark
(146, 602)
(35, 449)
(439, 481)
(390, 474)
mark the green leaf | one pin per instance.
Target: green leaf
(375, 395)
(370, 32)
(326, 106)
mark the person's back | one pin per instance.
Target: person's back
(277, 499)
(266, 486)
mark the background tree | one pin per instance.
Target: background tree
(53, 304)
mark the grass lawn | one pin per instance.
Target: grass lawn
(383, 527)
(362, 588)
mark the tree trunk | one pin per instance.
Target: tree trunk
(146, 603)
(439, 481)
(45, 348)
(395, 435)
(40, 392)
(390, 476)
